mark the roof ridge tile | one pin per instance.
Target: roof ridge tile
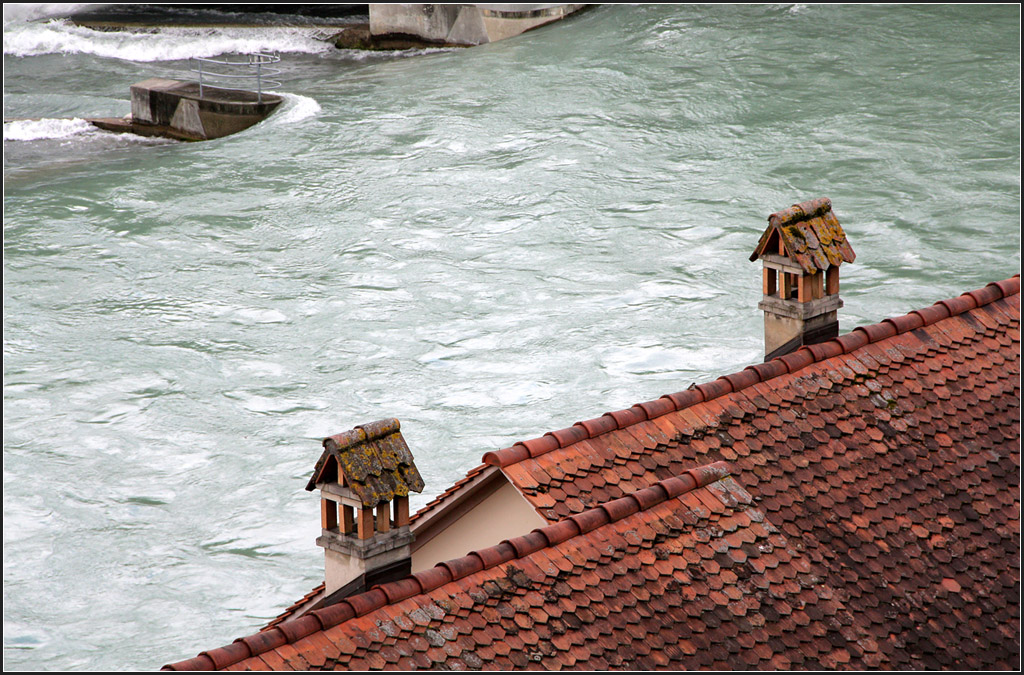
(853, 340)
(506, 456)
(364, 603)
(959, 305)
(365, 432)
(1009, 286)
(201, 662)
(933, 314)
(617, 509)
(709, 473)
(462, 567)
(825, 350)
(627, 416)
(686, 398)
(560, 531)
(768, 369)
(495, 555)
(223, 657)
(876, 332)
(296, 629)
(590, 519)
(905, 323)
(677, 485)
(801, 358)
(658, 407)
(569, 435)
(331, 615)
(804, 210)
(747, 377)
(715, 388)
(598, 425)
(432, 578)
(986, 295)
(526, 544)
(264, 641)
(401, 588)
(650, 496)
(540, 446)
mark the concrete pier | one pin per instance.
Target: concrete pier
(462, 25)
(175, 109)
(376, 26)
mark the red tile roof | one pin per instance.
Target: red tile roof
(871, 520)
(605, 588)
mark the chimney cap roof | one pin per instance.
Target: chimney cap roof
(376, 462)
(811, 234)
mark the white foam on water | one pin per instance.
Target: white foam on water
(36, 130)
(74, 130)
(294, 108)
(168, 44)
(375, 54)
(32, 11)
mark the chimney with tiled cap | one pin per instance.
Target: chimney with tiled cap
(801, 252)
(365, 476)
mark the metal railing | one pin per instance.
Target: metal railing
(255, 66)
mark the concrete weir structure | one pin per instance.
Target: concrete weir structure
(461, 25)
(183, 111)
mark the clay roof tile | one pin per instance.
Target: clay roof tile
(685, 399)
(375, 460)
(597, 426)
(811, 235)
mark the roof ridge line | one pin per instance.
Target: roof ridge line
(802, 211)
(424, 581)
(363, 433)
(751, 375)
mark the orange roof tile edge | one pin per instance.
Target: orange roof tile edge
(751, 375)
(470, 475)
(452, 570)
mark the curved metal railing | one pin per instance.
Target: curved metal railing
(256, 66)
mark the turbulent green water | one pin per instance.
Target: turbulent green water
(487, 244)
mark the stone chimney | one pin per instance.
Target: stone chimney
(364, 477)
(801, 252)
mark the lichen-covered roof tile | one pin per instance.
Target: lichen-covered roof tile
(376, 462)
(811, 235)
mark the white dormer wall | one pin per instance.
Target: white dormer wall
(496, 512)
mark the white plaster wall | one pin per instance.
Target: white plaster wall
(339, 569)
(503, 515)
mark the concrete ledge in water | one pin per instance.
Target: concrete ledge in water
(408, 26)
(175, 109)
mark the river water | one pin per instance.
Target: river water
(487, 244)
